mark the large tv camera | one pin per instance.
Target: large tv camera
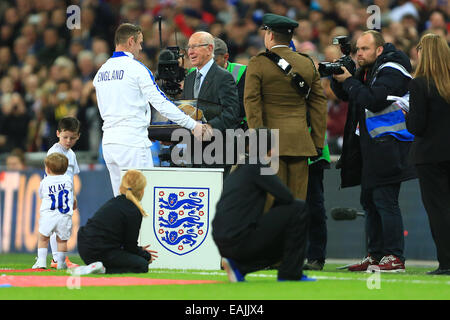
(169, 72)
(329, 68)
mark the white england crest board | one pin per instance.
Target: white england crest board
(181, 204)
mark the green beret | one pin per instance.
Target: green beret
(278, 23)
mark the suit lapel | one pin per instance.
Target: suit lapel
(208, 80)
(189, 83)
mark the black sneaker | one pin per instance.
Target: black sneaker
(439, 272)
(314, 265)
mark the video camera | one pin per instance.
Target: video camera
(329, 68)
(169, 70)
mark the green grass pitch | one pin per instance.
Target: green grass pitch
(331, 284)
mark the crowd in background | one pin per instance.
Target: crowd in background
(46, 69)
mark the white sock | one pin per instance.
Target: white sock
(42, 255)
(54, 246)
(60, 257)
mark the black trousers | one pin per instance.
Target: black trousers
(114, 260)
(317, 240)
(434, 180)
(384, 223)
(280, 235)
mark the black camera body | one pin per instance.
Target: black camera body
(169, 71)
(329, 68)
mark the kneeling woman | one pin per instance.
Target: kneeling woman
(110, 236)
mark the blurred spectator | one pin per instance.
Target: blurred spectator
(20, 50)
(6, 35)
(11, 18)
(58, 20)
(223, 11)
(75, 47)
(304, 32)
(100, 46)
(404, 7)
(14, 120)
(384, 10)
(60, 104)
(5, 60)
(53, 47)
(38, 51)
(238, 34)
(89, 116)
(31, 90)
(100, 59)
(16, 160)
(86, 65)
(30, 33)
(437, 20)
(64, 68)
(130, 12)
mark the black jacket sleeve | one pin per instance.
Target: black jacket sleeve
(416, 120)
(373, 97)
(273, 185)
(132, 226)
(338, 90)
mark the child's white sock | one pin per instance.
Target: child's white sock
(61, 257)
(54, 246)
(42, 256)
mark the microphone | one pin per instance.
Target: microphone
(345, 213)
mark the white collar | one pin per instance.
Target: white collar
(279, 46)
(204, 70)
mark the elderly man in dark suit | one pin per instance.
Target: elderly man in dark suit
(213, 86)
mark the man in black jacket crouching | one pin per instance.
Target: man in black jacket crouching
(249, 240)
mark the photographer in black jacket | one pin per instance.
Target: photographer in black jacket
(376, 145)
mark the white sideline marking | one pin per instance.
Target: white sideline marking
(252, 275)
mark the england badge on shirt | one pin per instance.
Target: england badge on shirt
(181, 218)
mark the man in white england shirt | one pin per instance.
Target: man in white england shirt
(124, 88)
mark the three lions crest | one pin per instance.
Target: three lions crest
(181, 218)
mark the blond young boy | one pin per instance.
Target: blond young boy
(56, 193)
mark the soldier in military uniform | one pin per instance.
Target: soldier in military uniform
(271, 100)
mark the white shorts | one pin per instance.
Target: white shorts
(56, 222)
(119, 156)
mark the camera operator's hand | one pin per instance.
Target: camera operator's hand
(342, 77)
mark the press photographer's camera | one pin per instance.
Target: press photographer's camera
(329, 68)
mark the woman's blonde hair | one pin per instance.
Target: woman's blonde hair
(434, 63)
(132, 186)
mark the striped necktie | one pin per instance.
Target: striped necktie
(197, 84)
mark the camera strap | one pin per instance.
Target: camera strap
(296, 78)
